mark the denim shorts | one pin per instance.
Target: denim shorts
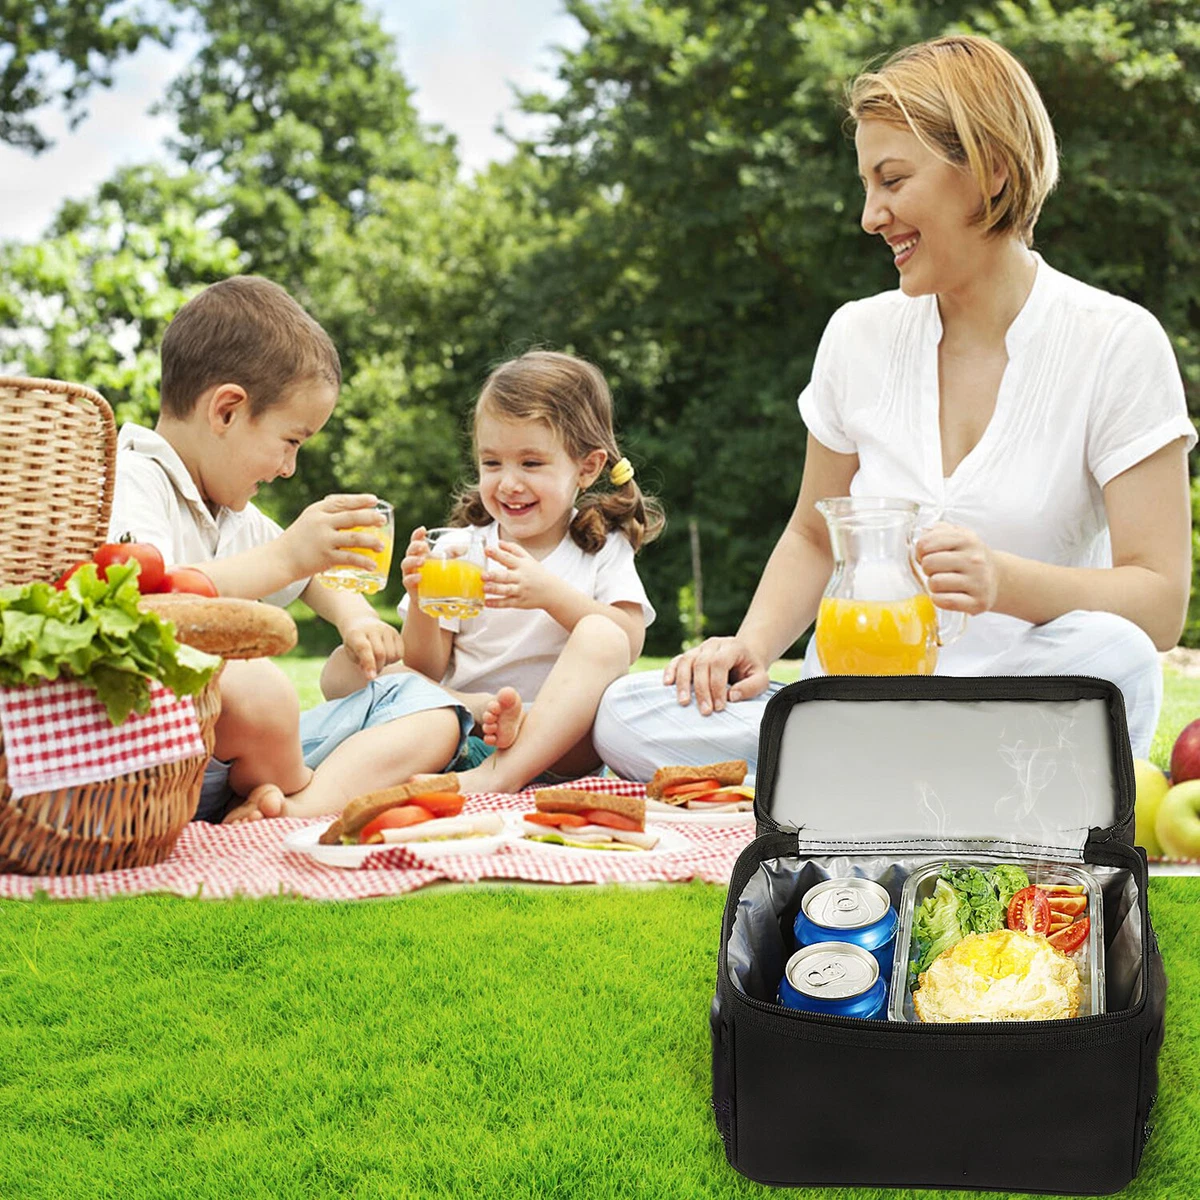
(324, 728)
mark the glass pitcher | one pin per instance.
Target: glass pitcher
(876, 616)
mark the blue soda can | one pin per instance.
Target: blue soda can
(835, 979)
(851, 910)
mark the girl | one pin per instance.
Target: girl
(565, 612)
(1045, 418)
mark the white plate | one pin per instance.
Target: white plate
(669, 841)
(697, 816)
(305, 842)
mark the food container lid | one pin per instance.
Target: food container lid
(1038, 763)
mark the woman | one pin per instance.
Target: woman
(1043, 418)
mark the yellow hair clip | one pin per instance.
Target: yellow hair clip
(621, 473)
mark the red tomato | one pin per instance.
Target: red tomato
(147, 557)
(697, 785)
(1069, 906)
(1029, 911)
(555, 820)
(440, 804)
(601, 816)
(188, 579)
(61, 582)
(1070, 939)
(394, 818)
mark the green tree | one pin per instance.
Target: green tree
(61, 49)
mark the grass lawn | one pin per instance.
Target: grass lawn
(491, 1041)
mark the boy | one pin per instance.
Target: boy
(247, 378)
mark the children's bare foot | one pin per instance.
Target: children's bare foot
(502, 718)
(266, 800)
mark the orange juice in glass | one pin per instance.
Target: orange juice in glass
(877, 616)
(452, 576)
(367, 580)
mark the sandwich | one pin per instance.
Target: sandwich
(716, 787)
(588, 820)
(427, 809)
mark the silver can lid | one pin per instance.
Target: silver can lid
(832, 971)
(845, 903)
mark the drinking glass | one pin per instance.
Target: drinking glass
(452, 576)
(366, 579)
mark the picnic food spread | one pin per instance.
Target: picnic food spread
(588, 820)
(716, 787)
(423, 810)
(92, 630)
(226, 626)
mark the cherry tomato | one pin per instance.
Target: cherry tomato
(1029, 911)
(696, 785)
(601, 816)
(394, 818)
(1070, 939)
(556, 820)
(188, 579)
(148, 558)
(440, 804)
(61, 582)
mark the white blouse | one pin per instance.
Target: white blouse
(1091, 389)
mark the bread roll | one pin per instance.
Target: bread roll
(225, 626)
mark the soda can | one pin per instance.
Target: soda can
(836, 979)
(851, 910)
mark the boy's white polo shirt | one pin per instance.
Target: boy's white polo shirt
(156, 499)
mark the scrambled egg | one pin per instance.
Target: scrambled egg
(1007, 975)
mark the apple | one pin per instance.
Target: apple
(1152, 786)
(1178, 821)
(1185, 754)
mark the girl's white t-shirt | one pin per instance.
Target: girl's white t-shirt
(517, 647)
(1091, 389)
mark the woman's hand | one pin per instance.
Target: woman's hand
(719, 670)
(517, 579)
(960, 567)
(410, 564)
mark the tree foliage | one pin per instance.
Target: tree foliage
(687, 218)
(59, 50)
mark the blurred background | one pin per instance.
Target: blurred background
(667, 189)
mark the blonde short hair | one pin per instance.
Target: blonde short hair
(971, 103)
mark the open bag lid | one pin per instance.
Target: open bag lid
(1034, 764)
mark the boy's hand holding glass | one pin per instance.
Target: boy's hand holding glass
(370, 537)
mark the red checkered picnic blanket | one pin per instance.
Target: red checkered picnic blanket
(58, 735)
(250, 859)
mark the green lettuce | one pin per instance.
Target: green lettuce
(93, 632)
(979, 906)
(1008, 881)
(936, 927)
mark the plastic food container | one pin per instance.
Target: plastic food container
(1089, 958)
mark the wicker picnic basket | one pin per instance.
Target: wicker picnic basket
(58, 446)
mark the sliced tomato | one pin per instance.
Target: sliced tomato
(695, 785)
(394, 818)
(1062, 889)
(612, 820)
(725, 795)
(1070, 939)
(1069, 906)
(440, 804)
(556, 820)
(1029, 911)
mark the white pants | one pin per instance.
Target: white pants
(641, 726)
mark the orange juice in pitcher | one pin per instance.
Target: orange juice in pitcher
(876, 616)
